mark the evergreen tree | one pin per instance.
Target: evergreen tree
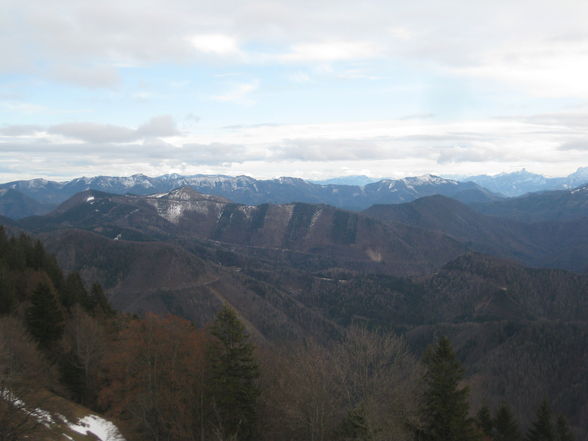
(484, 420)
(7, 292)
(505, 426)
(444, 407)
(542, 428)
(234, 373)
(563, 432)
(73, 291)
(45, 320)
(96, 301)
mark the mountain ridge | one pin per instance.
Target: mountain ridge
(521, 182)
(247, 190)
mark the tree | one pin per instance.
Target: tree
(7, 292)
(84, 346)
(484, 421)
(354, 427)
(45, 319)
(505, 425)
(234, 374)
(96, 302)
(563, 432)
(24, 373)
(153, 377)
(73, 291)
(542, 428)
(444, 407)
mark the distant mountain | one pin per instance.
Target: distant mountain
(319, 236)
(246, 190)
(15, 205)
(560, 205)
(348, 180)
(521, 182)
(553, 244)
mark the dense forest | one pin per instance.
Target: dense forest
(161, 378)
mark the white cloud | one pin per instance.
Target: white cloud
(163, 125)
(217, 44)
(539, 46)
(87, 76)
(404, 146)
(330, 51)
(239, 93)
(159, 126)
(93, 132)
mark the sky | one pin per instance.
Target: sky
(312, 89)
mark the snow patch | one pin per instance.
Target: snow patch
(247, 210)
(579, 190)
(104, 430)
(173, 212)
(315, 217)
(289, 208)
(90, 198)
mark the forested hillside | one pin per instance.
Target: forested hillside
(306, 284)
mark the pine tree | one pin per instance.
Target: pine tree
(73, 291)
(7, 291)
(505, 425)
(563, 432)
(96, 301)
(445, 408)
(45, 320)
(484, 420)
(234, 373)
(542, 428)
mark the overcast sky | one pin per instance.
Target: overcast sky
(313, 89)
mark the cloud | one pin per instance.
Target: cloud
(163, 125)
(91, 77)
(159, 126)
(552, 143)
(579, 145)
(238, 93)
(93, 132)
(330, 51)
(20, 130)
(214, 44)
(471, 153)
(304, 149)
(539, 48)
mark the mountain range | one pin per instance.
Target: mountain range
(521, 182)
(247, 190)
(505, 278)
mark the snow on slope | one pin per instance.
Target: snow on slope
(104, 430)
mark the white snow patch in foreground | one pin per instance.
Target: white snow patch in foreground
(104, 430)
(40, 415)
(90, 198)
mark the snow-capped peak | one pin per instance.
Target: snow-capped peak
(428, 180)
